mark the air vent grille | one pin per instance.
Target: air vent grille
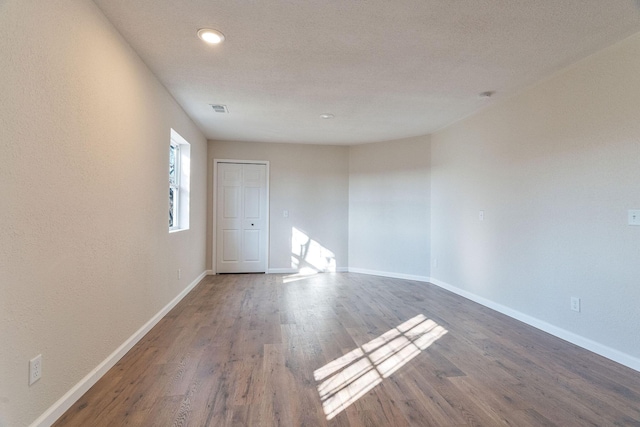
(219, 108)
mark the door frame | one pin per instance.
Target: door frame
(214, 209)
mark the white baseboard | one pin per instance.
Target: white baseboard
(209, 273)
(296, 271)
(389, 274)
(56, 410)
(601, 349)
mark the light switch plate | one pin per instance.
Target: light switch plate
(634, 217)
(575, 304)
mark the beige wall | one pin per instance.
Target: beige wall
(310, 181)
(555, 170)
(389, 213)
(85, 254)
(86, 259)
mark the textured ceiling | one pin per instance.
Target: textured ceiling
(385, 69)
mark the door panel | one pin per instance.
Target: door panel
(230, 245)
(252, 203)
(231, 202)
(252, 176)
(241, 220)
(251, 245)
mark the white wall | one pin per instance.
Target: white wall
(389, 213)
(85, 254)
(310, 181)
(555, 169)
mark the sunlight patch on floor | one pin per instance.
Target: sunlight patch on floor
(349, 377)
(303, 274)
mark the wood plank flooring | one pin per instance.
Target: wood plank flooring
(258, 350)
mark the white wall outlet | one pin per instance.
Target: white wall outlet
(435, 263)
(285, 213)
(481, 216)
(35, 369)
(575, 304)
(634, 217)
(179, 274)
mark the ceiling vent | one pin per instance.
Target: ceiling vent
(219, 108)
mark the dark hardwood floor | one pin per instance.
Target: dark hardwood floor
(272, 350)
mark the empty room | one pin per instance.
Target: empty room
(304, 213)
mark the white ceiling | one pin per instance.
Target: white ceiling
(386, 69)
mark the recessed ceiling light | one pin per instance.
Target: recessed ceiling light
(210, 36)
(327, 116)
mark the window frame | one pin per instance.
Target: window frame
(174, 184)
(180, 187)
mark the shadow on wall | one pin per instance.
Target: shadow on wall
(309, 256)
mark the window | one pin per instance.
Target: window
(174, 184)
(179, 180)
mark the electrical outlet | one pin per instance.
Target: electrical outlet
(435, 263)
(35, 369)
(575, 304)
(634, 217)
(179, 274)
(481, 216)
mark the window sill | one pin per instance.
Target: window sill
(175, 230)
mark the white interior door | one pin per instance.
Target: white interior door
(241, 218)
